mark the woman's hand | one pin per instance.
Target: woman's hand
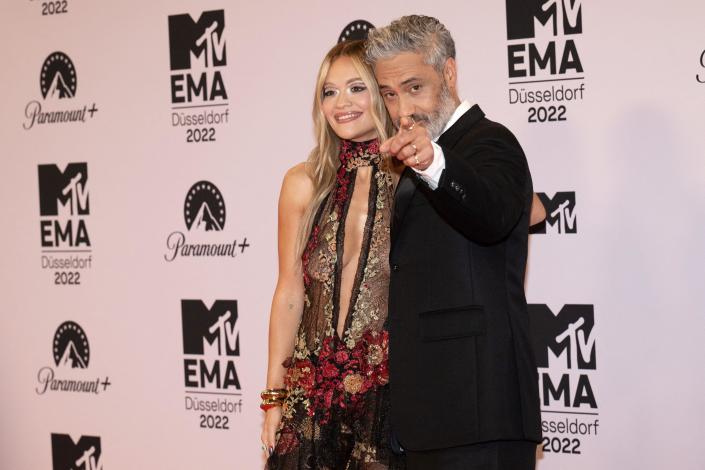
(272, 418)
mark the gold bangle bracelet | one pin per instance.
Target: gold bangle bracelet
(267, 406)
(279, 397)
(273, 402)
(274, 393)
(282, 398)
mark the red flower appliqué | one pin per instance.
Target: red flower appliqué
(341, 375)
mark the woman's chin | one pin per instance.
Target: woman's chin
(358, 136)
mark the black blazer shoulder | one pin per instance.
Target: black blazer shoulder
(474, 126)
(482, 190)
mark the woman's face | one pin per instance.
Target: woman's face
(346, 102)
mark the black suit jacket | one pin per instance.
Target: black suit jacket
(461, 366)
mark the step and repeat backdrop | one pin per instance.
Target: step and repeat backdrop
(143, 146)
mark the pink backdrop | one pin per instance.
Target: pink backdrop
(616, 150)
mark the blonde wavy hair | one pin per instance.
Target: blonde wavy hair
(323, 162)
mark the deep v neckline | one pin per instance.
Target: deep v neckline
(364, 282)
(362, 256)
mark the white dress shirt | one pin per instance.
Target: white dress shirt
(432, 174)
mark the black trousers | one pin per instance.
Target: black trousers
(496, 455)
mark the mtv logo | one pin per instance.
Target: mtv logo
(69, 455)
(560, 213)
(528, 19)
(63, 193)
(565, 340)
(210, 331)
(200, 42)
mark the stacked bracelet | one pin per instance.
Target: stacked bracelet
(272, 397)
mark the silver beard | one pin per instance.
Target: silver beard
(439, 118)
(436, 121)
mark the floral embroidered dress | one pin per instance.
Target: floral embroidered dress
(336, 413)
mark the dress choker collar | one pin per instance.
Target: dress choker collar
(356, 154)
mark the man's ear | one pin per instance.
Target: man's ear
(450, 73)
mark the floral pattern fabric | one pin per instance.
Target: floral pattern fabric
(336, 414)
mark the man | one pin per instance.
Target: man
(463, 378)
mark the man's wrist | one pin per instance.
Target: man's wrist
(432, 174)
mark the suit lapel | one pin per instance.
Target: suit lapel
(461, 127)
(402, 197)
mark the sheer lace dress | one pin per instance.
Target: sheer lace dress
(336, 414)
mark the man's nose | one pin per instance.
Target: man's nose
(406, 107)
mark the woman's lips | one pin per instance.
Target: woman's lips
(342, 118)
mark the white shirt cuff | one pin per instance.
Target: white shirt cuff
(432, 174)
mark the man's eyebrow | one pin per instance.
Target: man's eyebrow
(404, 83)
(409, 80)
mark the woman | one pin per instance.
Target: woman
(329, 401)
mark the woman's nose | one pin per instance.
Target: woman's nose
(342, 101)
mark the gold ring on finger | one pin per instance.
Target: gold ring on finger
(416, 159)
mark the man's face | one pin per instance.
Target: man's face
(410, 87)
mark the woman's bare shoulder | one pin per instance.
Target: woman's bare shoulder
(297, 187)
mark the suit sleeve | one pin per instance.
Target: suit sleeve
(482, 190)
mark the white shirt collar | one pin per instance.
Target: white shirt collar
(462, 108)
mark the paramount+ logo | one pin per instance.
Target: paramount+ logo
(204, 214)
(58, 82)
(356, 30)
(72, 353)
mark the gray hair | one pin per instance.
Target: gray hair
(414, 33)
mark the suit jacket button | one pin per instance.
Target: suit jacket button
(395, 267)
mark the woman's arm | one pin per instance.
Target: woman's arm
(288, 300)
